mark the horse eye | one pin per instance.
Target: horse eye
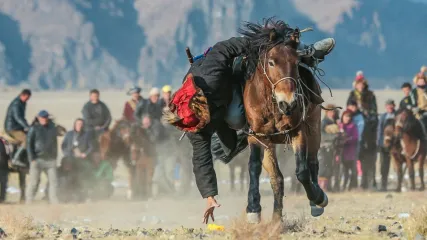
(271, 63)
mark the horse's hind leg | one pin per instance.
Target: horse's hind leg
(399, 172)
(253, 210)
(421, 171)
(271, 165)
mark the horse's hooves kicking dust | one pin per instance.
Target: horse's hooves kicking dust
(253, 218)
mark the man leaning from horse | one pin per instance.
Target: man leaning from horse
(210, 101)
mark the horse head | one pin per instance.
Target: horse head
(274, 52)
(122, 131)
(389, 139)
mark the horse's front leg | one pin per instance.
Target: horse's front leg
(271, 165)
(253, 210)
(398, 169)
(307, 169)
(22, 184)
(232, 176)
(411, 171)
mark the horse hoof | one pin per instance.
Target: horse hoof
(317, 211)
(398, 190)
(253, 218)
(325, 201)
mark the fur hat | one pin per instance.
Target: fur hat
(418, 76)
(423, 69)
(359, 78)
(332, 129)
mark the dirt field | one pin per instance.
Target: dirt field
(355, 215)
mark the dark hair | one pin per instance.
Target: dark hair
(26, 92)
(259, 34)
(94, 91)
(406, 85)
(351, 103)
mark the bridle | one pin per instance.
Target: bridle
(300, 100)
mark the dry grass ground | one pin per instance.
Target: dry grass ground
(354, 215)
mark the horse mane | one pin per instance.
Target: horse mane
(259, 39)
(412, 126)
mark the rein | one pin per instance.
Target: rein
(300, 97)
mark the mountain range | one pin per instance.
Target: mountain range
(80, 44)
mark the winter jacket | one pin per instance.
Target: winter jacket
(42, 142)
(80, 140)
(381, 124)
(129, 109)
(350, 147)
(15, 116)
(96, 115)
(366, 101)
(406, 103)
(146, 107)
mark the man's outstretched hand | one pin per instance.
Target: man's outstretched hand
(212, 204)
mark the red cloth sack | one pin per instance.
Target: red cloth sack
(188, 110)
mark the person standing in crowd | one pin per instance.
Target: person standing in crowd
(152, 106)
(16, 125)
(326, 157)
(367, 104)
(419, 100)
(166, 95)
(130, 106)
(77, 149)
(96, 114)
(405, 103)
(385, 152)
(349, 155)
(359, 120)
(42, 152)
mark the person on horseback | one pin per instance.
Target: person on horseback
(385, 152)
(76, 167)
(151, 106)
(210, 101)
(96, 114)
(17, 126)
(405, 103)
(166, 95)
(130, 106)
(418, 98)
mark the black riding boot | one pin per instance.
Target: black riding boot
(16, 161)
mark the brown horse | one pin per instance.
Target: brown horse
(114, 145)
(281, 100)
(408, 137)
(143, 153)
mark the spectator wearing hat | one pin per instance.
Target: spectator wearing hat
(151, 107)
(329, 131)
(390, 114)
(405, 103)
(166, 95)
(130, 106)
(365, 98)
(96, 114)
(42, 152)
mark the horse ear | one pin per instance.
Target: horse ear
(273, 35)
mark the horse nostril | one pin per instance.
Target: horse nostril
(284, 107)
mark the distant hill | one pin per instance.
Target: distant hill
(55, 44)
